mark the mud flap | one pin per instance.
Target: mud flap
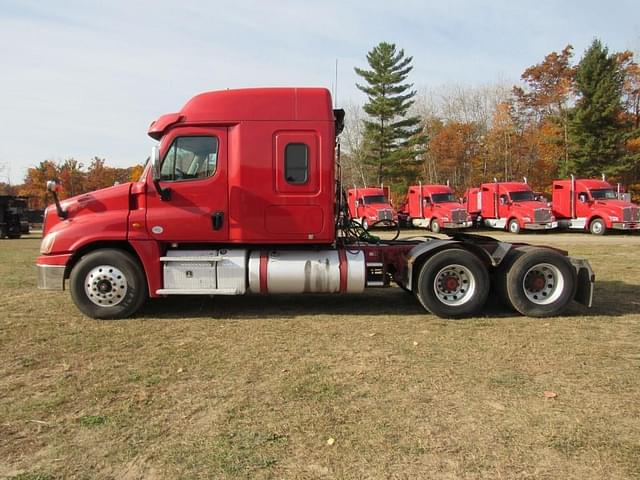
(586, 281)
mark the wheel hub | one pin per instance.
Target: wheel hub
(454, 285)
(543, 283)
(105, 286)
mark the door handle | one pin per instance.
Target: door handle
(217, 219)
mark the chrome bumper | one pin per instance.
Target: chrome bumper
(457, 225)
(541, 226)
(625, 226)
(50, 277)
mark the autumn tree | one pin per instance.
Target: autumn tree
(392, 138)
(545, 104)
(594, 129)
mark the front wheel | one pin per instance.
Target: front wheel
(453, 283)
(365, 224)
(435, 226)
(108, 283)
(597, 227)
(514, 226)
(539, 282)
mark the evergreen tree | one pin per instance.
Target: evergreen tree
(394, 142)
(595, 132)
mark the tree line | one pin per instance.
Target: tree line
(74, 177)
(564, 118)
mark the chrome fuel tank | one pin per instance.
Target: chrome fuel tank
(306, 271)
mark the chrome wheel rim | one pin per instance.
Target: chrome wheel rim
(105, 286)
(543, 284)
(596, 227)
(454, 285)
(513, 227)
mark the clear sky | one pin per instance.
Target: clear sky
(80, 78)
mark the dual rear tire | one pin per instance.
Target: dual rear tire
(536, 282)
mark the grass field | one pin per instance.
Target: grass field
(308, 387)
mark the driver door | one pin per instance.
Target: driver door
(194, 170)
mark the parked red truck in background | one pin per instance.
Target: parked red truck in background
(370, 206)
(509, 205)
(241, 197)
(594, 206)
(434, 207)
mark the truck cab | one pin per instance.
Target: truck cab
(370, 206)
(594, 206)
(434, 207)
(13, 219)
(511, 206)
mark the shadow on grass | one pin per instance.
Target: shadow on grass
(611, 298)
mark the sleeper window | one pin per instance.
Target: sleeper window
(296, 163)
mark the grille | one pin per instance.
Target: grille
(458, 215)
(385, 214)
(630, 214)
(542, 215)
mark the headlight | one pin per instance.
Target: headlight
(526, 219)
(614, 219)
(445, 219)
(553, 219)
(47, 243)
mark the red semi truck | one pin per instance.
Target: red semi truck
(512, 206)
(434, 207)
(240, 197)
(370, 206)
(594, 206)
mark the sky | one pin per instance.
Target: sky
(85, 78)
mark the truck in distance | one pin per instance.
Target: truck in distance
(13, 219)
(370, 206)
(594, 206)
(240, 197)
(510, 206)
(434, 207)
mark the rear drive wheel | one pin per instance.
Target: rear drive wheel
(107, 284)
(435, 226)
(539, 282)
(597, 226)
(514, 226)
(453, 283)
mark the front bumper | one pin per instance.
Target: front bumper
(457, 225)
(541, 226)
(51, 270)
(625, 226)
(50, 277)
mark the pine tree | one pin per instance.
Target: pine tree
(394, 142)
(595, 131)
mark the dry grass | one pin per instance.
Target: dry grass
(253, 387)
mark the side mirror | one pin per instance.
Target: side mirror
(53, 187)
(155, 162)
(165, 193)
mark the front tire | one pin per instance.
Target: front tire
(514, 226)
(453, 283)
(537, 282)
(365, 224)
(597, 227)
(107, 284)
(435, 226)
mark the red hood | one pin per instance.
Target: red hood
(99, 201)
(449, 206)
(529, 206)
(614, 205)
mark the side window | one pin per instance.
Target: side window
(296, 163)
(190, 158)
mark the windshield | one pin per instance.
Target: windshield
(368, 200)
(443, 197)
(604, 194)
(522, 196)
